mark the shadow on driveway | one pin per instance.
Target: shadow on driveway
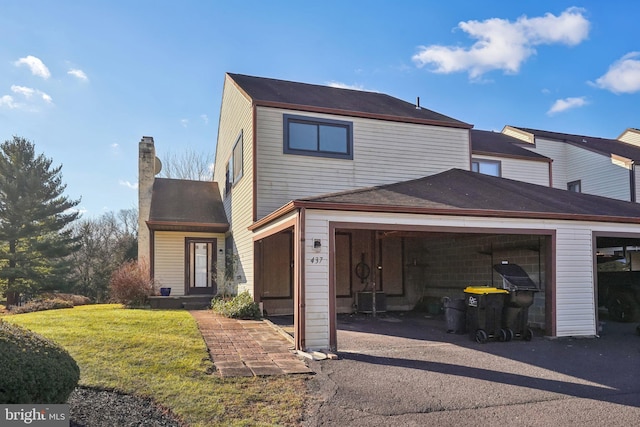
(604, 368)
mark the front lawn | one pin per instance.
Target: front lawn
(161, 354)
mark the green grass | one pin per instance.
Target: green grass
(161, 354)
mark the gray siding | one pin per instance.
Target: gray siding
(598, 174)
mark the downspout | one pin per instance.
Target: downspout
(300, 328)
(152, 254)
(254, 160)
(632, 181)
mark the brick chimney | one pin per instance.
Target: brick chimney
(148, 167)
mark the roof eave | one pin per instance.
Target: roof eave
(274, 215)
(512, 156)
(187, 226)
(463, 212)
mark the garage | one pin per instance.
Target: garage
(414, 270)
(432, 237)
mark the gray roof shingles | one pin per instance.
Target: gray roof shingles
(347, 101)
(185, 202)
(459, 190)
(602, 145)
(496, 143)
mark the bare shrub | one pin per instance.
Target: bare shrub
(75, 299)
(131, 284)
(49, 304)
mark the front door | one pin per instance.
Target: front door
(201, 266)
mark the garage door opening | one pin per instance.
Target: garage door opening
(412, 271)
(618, 279)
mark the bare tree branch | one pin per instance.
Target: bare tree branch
(187, 164)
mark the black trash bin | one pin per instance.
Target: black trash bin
(455, 313)
(484, 313)
(521, 292)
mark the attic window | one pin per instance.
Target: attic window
(575, 186)
(310, 136)
(486, 167)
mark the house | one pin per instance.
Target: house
(331, 193)
(587, 164)
(498, 154)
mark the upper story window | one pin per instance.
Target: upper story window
(574, 186)
(310, 136)
(238, 159)
(234, 168)
(486, 167)
(227, 177)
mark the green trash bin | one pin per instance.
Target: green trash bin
(484, 313)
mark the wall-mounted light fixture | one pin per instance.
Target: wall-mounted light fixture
(317, 244)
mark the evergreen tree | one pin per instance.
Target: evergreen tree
(35, 241)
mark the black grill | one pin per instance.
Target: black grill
(516, 278)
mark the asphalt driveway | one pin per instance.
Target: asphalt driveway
(405, 370)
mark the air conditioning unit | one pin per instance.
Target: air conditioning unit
(364, 302)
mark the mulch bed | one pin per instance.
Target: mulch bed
(90, 407)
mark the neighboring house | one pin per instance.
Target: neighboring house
(330, 193)
(587, 164)
(498, 154)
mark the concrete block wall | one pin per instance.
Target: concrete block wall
(444, 266)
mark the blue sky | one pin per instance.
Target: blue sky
(85, 80)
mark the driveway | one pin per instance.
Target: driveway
(407, 371)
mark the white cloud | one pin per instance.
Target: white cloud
(81, 210)
(36, 66)
(78, 73)
(46, 98)
(29, 95)
(184, 122)
(623, 75)
(205, 118)
(128, 184)
(8, 102)
(567, 104)
(504, 45)
(29, 92)
(341, 85)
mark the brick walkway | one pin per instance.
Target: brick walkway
(246, 348)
